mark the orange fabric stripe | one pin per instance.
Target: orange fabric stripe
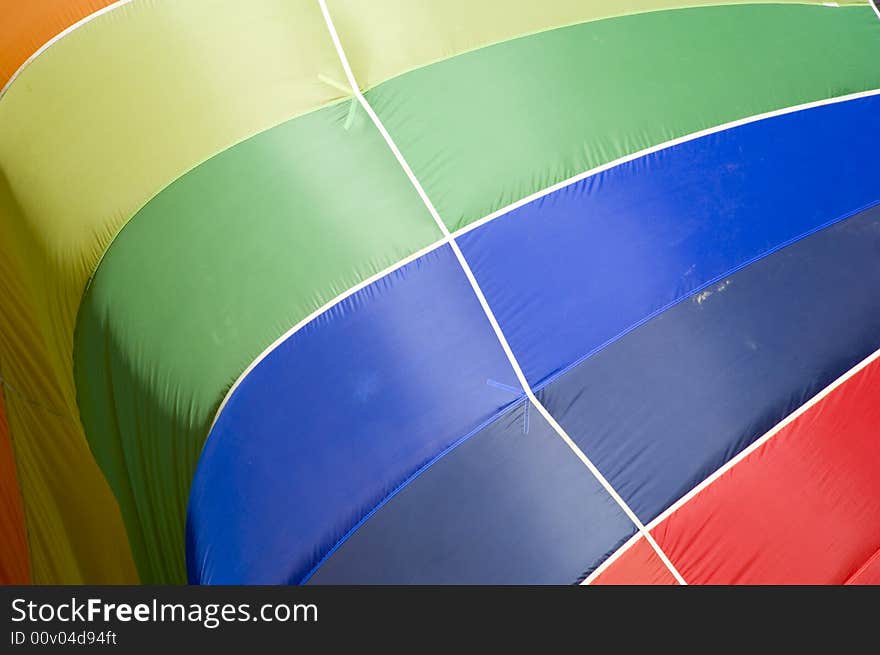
(26, 26)
(14, 563)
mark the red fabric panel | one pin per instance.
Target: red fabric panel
(868, 573)
(803, 508)
(637, 565)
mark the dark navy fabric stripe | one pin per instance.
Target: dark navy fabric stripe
(574, 270)
(508, 506)
(338, 416)
(661, 408)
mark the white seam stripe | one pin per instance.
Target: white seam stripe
(318, 312)
(739, 457)
(482, 299)
(519, 203)
(450, 238)
(48, 44)
(693, 136)
(752, 447)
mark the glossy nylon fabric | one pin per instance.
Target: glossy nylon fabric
(663, 407)
(135, 111)
(137, 96)
(637, 565)
(14, 565)
(737, 311)
(54, 250)
(74, 530)
(511, 505)
(572, 271)
(28, 24)
(166, 382)
(396, 36)
(337, 417)
(804, 508)
(487, 128)
(263, 235)
(868, 573)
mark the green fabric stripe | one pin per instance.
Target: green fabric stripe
(490, 127)
(204, 277)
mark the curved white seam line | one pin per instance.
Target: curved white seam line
(501, 212)
(48, 44)
(752, 447)
(875, 7)
(720, 471)
(483, 302)
(120, 3)
(321, 310)
(497, 214)
(657, 148)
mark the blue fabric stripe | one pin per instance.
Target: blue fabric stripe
(510, 506)
(573, 271)
(660, 409)
(388, 387)
(337, 417)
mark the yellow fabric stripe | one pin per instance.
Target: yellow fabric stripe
(112, 113)
(74, 527)
(384, 38)
(120, 107)
(89, 132)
